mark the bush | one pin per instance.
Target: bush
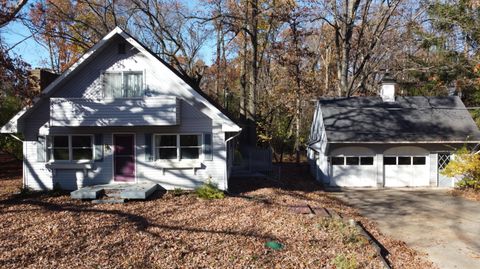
(465, 164)
(178, 192)
(343, 262)
(209, 191)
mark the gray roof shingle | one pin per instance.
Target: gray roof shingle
(408, 119)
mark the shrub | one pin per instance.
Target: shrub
(178, 192)
(343, 262)
(348, 234)
(465, 164)
(209, 191)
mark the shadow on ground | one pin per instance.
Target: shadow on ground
(285, 176)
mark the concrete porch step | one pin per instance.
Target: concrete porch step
(108, 201)
(116, 191)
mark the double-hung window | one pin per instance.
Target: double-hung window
(71, 148)
(178, 147)
(190, 146)
(124, 84)
(166, 147)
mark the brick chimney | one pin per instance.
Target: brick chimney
(43, 77)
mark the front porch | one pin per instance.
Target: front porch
(139, 191)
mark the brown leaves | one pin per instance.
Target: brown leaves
(179, 232)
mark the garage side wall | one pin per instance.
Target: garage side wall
(316, 152)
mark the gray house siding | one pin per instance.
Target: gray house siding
(86, 83)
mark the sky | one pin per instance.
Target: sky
(36, 55)
(31, 52)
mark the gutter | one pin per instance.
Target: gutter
(16, 137)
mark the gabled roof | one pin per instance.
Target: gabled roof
(415, 119)
(228, 126)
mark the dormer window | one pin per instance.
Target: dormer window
(124, 84)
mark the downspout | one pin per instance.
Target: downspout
(226, 163)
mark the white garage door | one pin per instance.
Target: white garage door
(353, 171)
(406, 171)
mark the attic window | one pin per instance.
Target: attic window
(121, 48)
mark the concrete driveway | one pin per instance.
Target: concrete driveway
(430, 220)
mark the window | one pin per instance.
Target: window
(207, 147)
(353, 160)
(71, 148)
(60, 149)
(419, 160)
(366, 160)
(166, 147)
(123, 84)
(389, 160)
(190, 146)
(178, 147)
(338, 161)
(404, 161)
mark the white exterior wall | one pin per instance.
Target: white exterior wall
(318, 166)
(87, 83)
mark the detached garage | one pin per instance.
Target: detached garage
(388, 141)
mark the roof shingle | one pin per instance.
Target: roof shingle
(408, 119)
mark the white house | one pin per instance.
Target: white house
(121, 114)
(387, 141)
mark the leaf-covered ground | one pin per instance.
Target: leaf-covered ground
(470, 194)
(167, 231)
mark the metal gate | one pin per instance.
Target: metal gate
(443, 160)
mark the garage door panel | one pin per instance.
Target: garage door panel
(353, 176)
(406, 171)
(397, 176)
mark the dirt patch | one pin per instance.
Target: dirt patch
(473, 195)
(182, 231)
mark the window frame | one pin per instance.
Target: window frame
(201, 156)
(70, 148)
(123, 72)
(345, 157)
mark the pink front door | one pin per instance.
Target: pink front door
(124, 157)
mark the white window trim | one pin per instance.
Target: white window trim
(50, 148)
(122, 72)
(201, 156)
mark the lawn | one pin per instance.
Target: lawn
(183, 231)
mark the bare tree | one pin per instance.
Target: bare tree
(359, 26)
(9, 11)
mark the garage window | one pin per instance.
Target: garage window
(404, 161)
(419, 160)
(366, 160)
(353, 160)
(338, 161)
(389, 160)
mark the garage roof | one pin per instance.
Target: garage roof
(408, 119)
